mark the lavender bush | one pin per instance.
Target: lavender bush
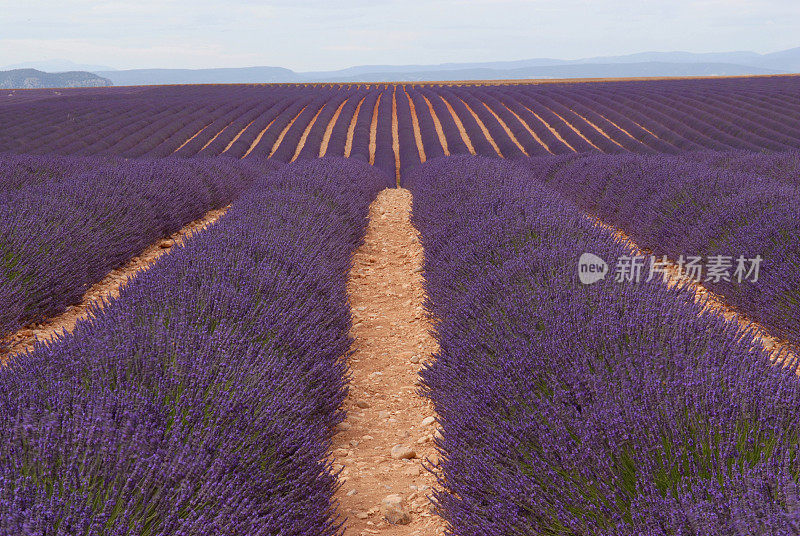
(202, 400)
(587, 409)
(66, 222)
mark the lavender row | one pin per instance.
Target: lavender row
(608, 409)
(612, 117)
(678, 207)
(203, 399)
(66, 222)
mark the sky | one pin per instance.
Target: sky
(327, 35)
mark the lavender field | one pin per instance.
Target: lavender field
(206, 397)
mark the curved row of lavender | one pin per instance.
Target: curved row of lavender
(678, 207)
(66, 222)
(660, 116)
(202, 400)
(607, 409)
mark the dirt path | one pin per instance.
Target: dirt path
(304, 137)
(107, 288)
(190, 139)
(461, 130)
(236, 138)
(415, 126)
(395, 138)
(217, 135)
(575, 130)
(283, 132)
(553, 131)
(483, 128)
(438, 126)
(600, 130)
(351, 129)
(778, 349)
(389, 428)
(373, 130)
(529, 129)
(326, 138)
(507, 130)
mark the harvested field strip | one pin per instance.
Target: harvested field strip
(106, 289)
(483, 128)
(395, 138)
(348, 145)
(304, 137)
(373, 130)
(389, 428)
(284, 131)
(529, 129)
(551, 129)
(238, 135)
(508, 130)
(193, 137)
(461, 130)
(217, 135)
(574, 129)
(438, 125)
(415, 126)
(326, 138)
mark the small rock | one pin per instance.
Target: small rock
(367, 437)
(164, 244)
(412, 470)
(415, 359)
(361, 308)
(438, 435)
(427, 421)
(418, 270)
(352, 492)
(393, 509)
(402, 452)
(342, 426)
(362, 515)
(340, 453)
(363, 404)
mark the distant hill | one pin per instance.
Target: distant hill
(31, 78)
(244, 75)
(631, 65)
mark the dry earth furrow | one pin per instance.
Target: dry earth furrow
(389, 429)
(217, 135)
(238, 135)
(461, 130)
(304, 137)
(508, 130)
(553, 131)
(190, 139)
(351, 130)
(438, 126)
(415, 126)
(284, 131)
(483, 128)
(529, 129)
(326, 137)
(373, 130)
(600, 130)
(575, 130)
(395, 138)
(106, 289)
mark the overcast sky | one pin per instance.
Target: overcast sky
(321, 35)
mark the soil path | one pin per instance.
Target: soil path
(600, 130)
(351, 129)
(529, 129)
(506, 129)
(304, 137)
(190, 139)
(461, 130)
(483, 128)
(392, 341)
(106, 289)
(438, 126)
(283, 132)
(575, 130)
(553, 131)
(238, 135)
(415, 126)
(373, 130)
(395, 138)
(326, 138)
